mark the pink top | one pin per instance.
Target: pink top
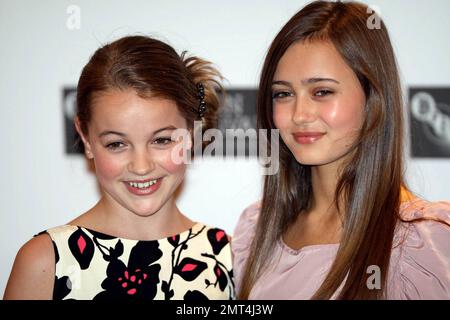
(419, 266)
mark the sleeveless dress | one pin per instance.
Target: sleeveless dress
(419, 267)
(193, 265)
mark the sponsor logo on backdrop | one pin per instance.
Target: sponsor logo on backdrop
(429, 115)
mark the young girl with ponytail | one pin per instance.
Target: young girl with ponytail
(135, 243)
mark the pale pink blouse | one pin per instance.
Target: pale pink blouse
(419, 266)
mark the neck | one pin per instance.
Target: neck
(324, 180)
(110, 217)
(321, 224)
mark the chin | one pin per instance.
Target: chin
(309, 160)
(314, 160)
(144, 213)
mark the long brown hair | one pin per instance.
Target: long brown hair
(153, 69)
(369, 186)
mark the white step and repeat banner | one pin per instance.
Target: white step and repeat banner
(46, 182)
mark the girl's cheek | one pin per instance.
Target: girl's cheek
(108, 167)
(171, 165)
(342, 115)
(332, 115)
(281, 117)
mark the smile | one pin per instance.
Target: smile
(143, 187)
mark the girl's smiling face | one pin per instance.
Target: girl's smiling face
(129, 139)
(318, 103)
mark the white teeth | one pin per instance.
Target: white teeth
(141, 185)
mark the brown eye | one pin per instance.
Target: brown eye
(163, 140)
(281, 95)
(114, 145)
(323, 93)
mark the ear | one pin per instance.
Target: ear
(87, 145)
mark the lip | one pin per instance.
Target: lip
(307, 137)
(143, 191)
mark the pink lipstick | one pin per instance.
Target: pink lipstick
(307, 137)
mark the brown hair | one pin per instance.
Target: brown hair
(369, 186)
(153, 69)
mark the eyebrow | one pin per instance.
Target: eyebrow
(305, 81)
(107, 132)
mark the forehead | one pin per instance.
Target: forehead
(312, 59)
(124, 109)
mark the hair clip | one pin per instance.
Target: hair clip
(201, 98)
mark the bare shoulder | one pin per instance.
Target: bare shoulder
(33, 272)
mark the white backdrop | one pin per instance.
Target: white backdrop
(41, 186)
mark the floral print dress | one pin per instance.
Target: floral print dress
(193, 265)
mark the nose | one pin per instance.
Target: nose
(141, 162)
(304, 112)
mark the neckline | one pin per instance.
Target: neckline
(322, 246)
(110, 237)
(307, 248)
